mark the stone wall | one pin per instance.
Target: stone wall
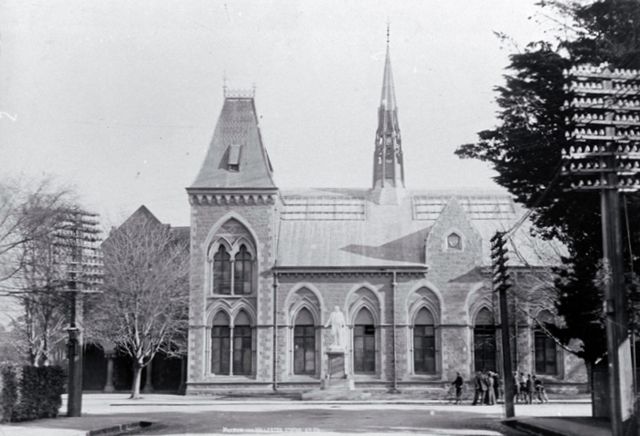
(259, 219)
(454, 289)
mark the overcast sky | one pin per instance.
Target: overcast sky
(120, 98)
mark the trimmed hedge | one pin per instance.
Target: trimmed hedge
(8, 392)
(30, 392)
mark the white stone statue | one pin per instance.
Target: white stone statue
(338, 329)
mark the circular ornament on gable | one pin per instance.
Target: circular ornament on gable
(454, 241)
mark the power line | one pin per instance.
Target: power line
(539, 200)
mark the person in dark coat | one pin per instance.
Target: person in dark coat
(485, 387)
(457, 384)
(529, 389)
(478, 396)
(496, 385)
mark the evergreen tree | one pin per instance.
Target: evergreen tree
(525, 150)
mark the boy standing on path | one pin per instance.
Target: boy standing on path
(540, 392)
(457, 384)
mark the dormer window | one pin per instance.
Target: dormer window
(454, 241)
(233, 159)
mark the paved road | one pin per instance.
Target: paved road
(297, 418)
(334, 419)
(193, 415)
(176, 415)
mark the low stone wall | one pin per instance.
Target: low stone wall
(439, 390)
(566, 389)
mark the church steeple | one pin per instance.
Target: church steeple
(388, 170)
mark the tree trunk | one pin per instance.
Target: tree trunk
(45, 348)
(589, 366)
(137, 376)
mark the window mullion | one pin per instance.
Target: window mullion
(232, 273)
(231, 347)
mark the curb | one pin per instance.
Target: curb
(119, 429)
(531, 428)
(313, 402)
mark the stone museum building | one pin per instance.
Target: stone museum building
(407, 272)
(408, 269)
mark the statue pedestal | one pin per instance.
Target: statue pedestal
(337, 371)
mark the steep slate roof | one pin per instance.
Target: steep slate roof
(343, 228)
(181, 233)
(236, 135)
(142, 213)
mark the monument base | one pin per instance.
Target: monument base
(337, 372)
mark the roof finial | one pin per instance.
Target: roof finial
(388, 24)
(224, 82)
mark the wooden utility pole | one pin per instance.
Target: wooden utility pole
(77, 245)
(75, 358)
(606, 158)
(501, 283)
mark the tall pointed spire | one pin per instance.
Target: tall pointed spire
(388, 170)
(388, 97)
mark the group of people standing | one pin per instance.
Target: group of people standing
(527, 387)
(487, 388)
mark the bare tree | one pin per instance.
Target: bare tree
(535, 291)
(144, 306)
(40, 287)
(27, 213)
(31, 266)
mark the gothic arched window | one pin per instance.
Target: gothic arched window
(424, 343)
(484, 341)
(546, 356)
(242, 345)
(304, 344)
(364, 343)
(231, 345)
(242, 271)
(222, 271)
(220, 344)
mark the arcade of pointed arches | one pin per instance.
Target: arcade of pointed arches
(231, 348)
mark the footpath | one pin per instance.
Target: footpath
(112, 414)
